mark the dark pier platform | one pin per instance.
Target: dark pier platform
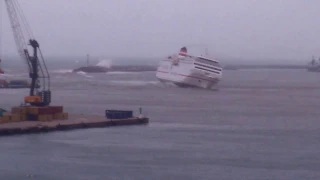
(74, 121)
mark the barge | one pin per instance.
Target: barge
(11, 84)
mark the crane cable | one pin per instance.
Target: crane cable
(23, 19)
(27, 34)
(31, 36)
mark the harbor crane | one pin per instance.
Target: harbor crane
(40, 94)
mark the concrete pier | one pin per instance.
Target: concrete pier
(74, 121)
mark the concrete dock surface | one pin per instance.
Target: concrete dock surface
(75, 121)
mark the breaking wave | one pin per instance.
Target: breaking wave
(105, 63)
(134, 83)
(62, 71)
(3, 76)
(84, 74)
(122, 73)
(70, 71)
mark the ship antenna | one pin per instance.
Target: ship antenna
(207, 54)
(87, 59)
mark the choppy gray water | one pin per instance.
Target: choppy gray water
(261, 124)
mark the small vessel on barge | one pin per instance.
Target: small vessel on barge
(314, 66)
(185, 70)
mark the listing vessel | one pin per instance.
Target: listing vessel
(186, 70)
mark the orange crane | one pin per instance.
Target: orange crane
(40, 94)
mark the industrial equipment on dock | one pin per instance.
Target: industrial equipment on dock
(36, 105)
(118, 114)
(37, 69)
(33, 113)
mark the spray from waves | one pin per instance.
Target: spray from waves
(84, 74)
(68, 72)
(122, 73)
(5, 76)
(12, 91)
(62, 71)
(105, 63)
(134, 83)
(167, 85)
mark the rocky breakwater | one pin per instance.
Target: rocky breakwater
(132, 68)
(92, 69)
(119, 68)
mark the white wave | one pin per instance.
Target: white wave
(12, 91)
(62, 71)
(167, 84)
(135, 83)
(122, 72)
(105, 63)
(84, 74)
(13, 75)
(81, 73)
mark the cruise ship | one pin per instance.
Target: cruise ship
(185, 70)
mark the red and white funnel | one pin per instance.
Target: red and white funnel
(183, 52)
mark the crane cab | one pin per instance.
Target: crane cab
(32, 99)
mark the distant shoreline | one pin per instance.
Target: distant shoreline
(264, 67)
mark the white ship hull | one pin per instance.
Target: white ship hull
(190, 73)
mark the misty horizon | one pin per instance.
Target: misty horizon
(282, 32)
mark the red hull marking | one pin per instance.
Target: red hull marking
(162, 71)
(188, 76)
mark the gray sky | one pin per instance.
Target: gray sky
(254, 29)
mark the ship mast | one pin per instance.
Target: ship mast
(87, 59)
(206, 51)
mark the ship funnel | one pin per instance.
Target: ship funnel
(183, 51)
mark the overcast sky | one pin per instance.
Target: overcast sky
(261, 29)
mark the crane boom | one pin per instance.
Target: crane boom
(17, 31)
(36, 97)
